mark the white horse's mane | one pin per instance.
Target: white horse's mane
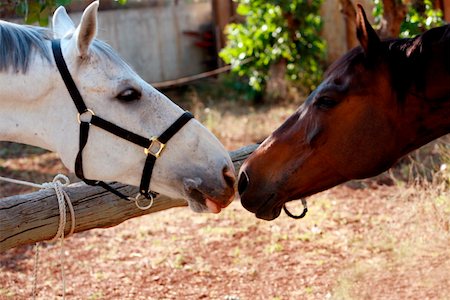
(19, 42)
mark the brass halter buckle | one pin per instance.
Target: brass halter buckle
(155, 148)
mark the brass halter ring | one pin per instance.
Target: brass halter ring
(88, 112)
(138, 198)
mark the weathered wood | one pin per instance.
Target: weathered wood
(34, 217)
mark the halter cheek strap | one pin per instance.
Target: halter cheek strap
(153, 147)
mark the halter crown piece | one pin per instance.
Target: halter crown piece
(153, 147)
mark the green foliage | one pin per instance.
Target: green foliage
(421, 16)
(38, 11)
(417, 21)
(274, 31)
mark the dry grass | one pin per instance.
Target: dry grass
(409, 249)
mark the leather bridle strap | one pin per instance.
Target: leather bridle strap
(84, 134)
(152, 147)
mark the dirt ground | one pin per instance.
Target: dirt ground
(363, 240)
(352, 245)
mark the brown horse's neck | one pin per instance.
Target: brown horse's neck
(427, 106)
(427, 115)
(427, 103)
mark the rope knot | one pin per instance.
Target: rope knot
(57, 183)
(61, 179)
(48, 185)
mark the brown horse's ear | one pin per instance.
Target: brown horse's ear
(367, 36)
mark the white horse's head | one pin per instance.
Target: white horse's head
(194, 165)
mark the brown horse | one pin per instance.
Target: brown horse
(377, 103)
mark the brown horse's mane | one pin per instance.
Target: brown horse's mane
(407, 59)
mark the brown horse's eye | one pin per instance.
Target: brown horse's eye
(325, 103)
(129, 95)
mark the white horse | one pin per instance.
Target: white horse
(36, 109)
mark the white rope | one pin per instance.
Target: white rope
(10, 180)
(59, 182)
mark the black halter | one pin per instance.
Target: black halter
(152, 147)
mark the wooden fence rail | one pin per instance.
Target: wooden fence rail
(34, 217)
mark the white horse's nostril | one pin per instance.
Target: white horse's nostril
(229, 176)
(192, 183)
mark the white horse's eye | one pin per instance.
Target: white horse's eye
(129, 95)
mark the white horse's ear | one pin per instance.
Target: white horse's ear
(87, 30)
(61, 23)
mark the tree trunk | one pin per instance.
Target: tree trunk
(30, 218)
(349, 12)
(393, 16)
(277, 87)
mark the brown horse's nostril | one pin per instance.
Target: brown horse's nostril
(243, 183)
(229, 177)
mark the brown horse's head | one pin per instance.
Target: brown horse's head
(365, 114)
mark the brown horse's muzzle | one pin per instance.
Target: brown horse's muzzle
(258, 199)
(278, 172)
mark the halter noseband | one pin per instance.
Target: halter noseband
(152, 147)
